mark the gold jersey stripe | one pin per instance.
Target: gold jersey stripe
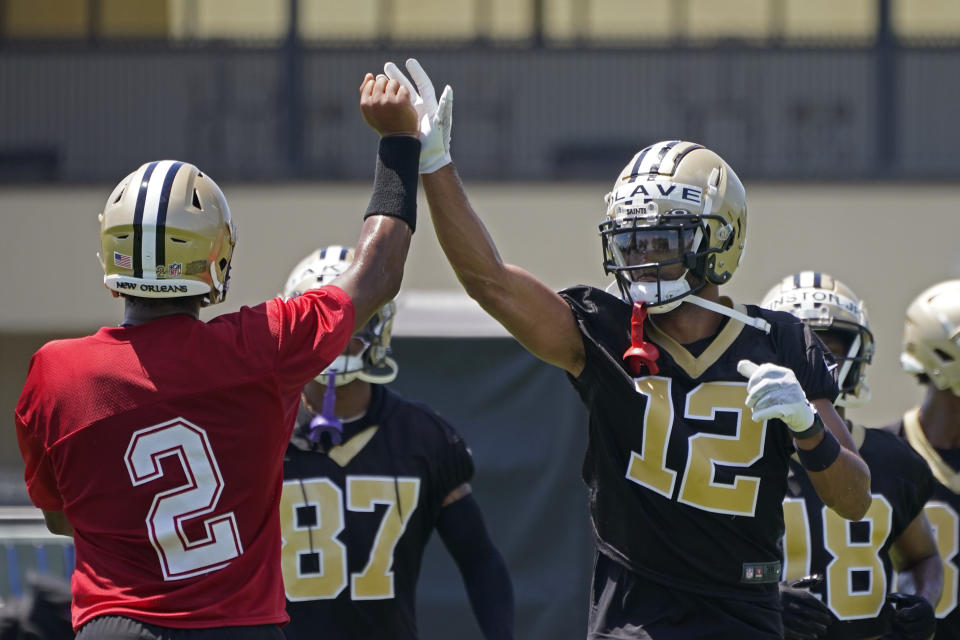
(943, 472)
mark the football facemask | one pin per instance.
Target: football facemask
(683, 210)
(651, 255)
(839, 317)
(367, 356)
(931, 336)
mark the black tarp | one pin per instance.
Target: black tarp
(526, 428)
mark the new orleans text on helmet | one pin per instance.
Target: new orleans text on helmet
(153, 288)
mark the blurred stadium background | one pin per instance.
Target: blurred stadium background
(838, 116)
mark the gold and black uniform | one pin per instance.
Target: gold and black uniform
(854, 557)
(943, 511)
(355, 520)
(685, 488)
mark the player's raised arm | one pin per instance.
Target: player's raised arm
(527, 308)
(377, 269)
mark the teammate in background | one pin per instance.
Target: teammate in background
(368, 475)
(685, 483)
(931, 352)
(856, 559)
(158, 444)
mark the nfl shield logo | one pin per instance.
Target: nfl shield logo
(175, 269)
(749, 573)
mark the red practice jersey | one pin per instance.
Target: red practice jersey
(163, 444)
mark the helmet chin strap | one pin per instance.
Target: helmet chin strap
(756, 323)
(383, 378)
(849, 400)
(347, 368)
(646, 293)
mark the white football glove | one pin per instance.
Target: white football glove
(773, 392)
(436, 118)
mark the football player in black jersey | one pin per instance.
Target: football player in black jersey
(694, 410)
(368, 476)
(856, 559)
(931, 352)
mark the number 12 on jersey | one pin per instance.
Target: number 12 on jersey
(705, 450)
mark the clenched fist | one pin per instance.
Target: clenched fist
(387, 107)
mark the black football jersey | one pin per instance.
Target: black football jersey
(854, 557)
(943, 511)
(355, 520)
(685, 488)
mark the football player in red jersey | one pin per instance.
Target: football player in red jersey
(931, 353)
(694, 409)
(856, 560)
(158, 444)
(350, 567)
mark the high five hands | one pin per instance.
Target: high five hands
(436, 117)
(386, 106)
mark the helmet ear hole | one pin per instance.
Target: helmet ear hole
(223, 263)
(119, 196)
(196, 200)
(943, 355)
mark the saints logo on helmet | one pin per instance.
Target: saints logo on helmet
(372, 361)
(830, 307)
(675, 221)
(166, 232)
(931, 336)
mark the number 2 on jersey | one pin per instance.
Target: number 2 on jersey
(705, 450)
(314, 560)
(180, 557)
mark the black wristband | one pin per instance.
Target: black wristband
(822, 455)
(810, 431)
(395, 180)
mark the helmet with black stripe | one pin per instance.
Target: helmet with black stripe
(675, 221)
(833, 310)
(367, 357)
(166, 232)
(931, 337)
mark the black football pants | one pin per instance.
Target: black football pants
(122, 628)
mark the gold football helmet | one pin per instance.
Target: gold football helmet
(166, 232)
(829, 306)
(675, 220)
(931, 336)
(373, 362)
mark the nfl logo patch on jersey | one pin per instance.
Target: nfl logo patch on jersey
(760, 572)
